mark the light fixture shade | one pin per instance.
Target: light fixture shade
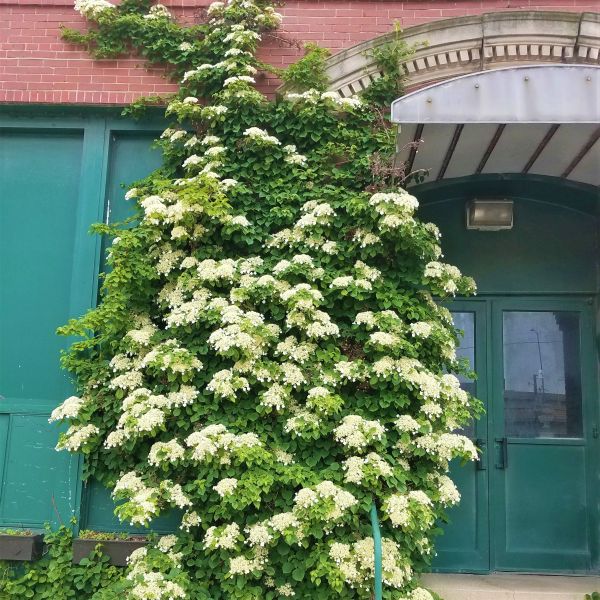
(489, 215)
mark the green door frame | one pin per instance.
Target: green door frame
(489, 362)
(475, 559)
(552, 562)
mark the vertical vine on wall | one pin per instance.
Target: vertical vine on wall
(267, 356)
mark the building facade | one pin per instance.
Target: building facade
(521, 137)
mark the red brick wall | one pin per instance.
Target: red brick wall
(36, 66)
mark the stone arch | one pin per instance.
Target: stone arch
(453, 47)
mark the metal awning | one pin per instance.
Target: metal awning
(542, 120)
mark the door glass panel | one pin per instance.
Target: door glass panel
(465, 322)
(542, 374)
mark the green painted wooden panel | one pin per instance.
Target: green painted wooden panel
(39, 484)
(543, 514)
(40, 175)
(4, 425)
(131, 157)
(39, 186)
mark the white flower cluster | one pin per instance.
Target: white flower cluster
(243, 331)
(365, 238)
(143, 335)
(299, 352)
(307, 230)
(142, 501)
(260, 135)
(421, 329)
(167, 209)
(356, 563)
(370, 467)
(92, 9)
(149, 584)
(213, 271)
(238, 79)
(165, 452)
(170, 356)
(446, 446)
(131, 194)
(143, 412)
(173, 493)
(447, 277)
(449, 494)
(158, 11)
(396, 208)
(357, 433)
(276, 397)
(384, 339)
(226, 486)
(322, 400)
(240, 37)
(412, 510)
(351, 370)
(384, 318)
(258, 535)
(314, 96)
(69, 409)
(226, 537)
(190, 519)
(76, 437)
(215, 442)
(302, 301)
(241, 565)
(331, 502)
(420, 594)
(292, 157)
(156, 586)
(407, 423)
(226, 384)
(302, 423)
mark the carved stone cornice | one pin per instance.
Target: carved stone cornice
(453, 47)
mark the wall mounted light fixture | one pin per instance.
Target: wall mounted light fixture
(489, 215)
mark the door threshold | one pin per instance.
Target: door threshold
(511, 586)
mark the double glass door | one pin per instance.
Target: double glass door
(530, 503)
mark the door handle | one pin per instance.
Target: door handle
(503, 464)
(481, 461)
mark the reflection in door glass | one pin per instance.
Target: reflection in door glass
(542, 374)
(465, 321)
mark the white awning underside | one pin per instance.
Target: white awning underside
(542, 120)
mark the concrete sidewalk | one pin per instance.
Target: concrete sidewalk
(508, 586)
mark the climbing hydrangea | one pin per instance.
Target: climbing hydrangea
(267, 359)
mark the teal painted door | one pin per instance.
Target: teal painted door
(543, 415)
(39, 200)
(530, 504)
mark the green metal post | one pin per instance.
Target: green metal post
(378, 553)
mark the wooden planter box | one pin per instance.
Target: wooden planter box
(118, 551)
(21, 547)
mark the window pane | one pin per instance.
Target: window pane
(465, 321)
(542, 374)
